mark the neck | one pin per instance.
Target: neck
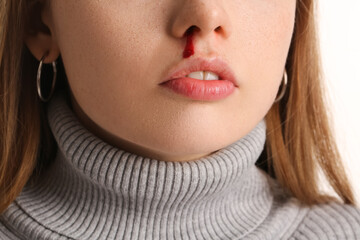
(96, 190)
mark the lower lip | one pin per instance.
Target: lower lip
(209, 90)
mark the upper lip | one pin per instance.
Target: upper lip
(215, 65)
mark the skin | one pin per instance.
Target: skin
(116, 53)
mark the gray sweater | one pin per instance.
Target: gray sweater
(96, 191)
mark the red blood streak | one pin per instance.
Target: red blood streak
(189, 48)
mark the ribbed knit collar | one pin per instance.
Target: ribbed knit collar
(96, 191)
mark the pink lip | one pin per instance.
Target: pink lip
(215, 65)
(202, 89)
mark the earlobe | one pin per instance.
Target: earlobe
(39, 37)
(40, 44)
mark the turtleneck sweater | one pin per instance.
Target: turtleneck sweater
(93, 190)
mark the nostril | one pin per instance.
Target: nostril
(190, 31)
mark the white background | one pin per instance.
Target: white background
(340, 45)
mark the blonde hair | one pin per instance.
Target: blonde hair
(299, 141)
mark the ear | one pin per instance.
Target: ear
(39, 36)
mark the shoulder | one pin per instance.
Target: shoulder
(9, 230)
(329, 221)
(6, 233)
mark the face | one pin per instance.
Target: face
(116, 53)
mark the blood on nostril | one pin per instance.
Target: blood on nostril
(189, 48)
(187, 53)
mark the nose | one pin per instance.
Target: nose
(208, 16)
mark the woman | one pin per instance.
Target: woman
(168, 120)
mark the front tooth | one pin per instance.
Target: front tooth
(211, 76)
(203, 75)
(197, 75)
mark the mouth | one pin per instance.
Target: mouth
(211, 67)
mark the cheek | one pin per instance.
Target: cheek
(99, 37)
(264, 35)
(270, 37)
(102, 44)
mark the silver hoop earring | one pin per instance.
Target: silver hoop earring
(283, 87)
(38, 80)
